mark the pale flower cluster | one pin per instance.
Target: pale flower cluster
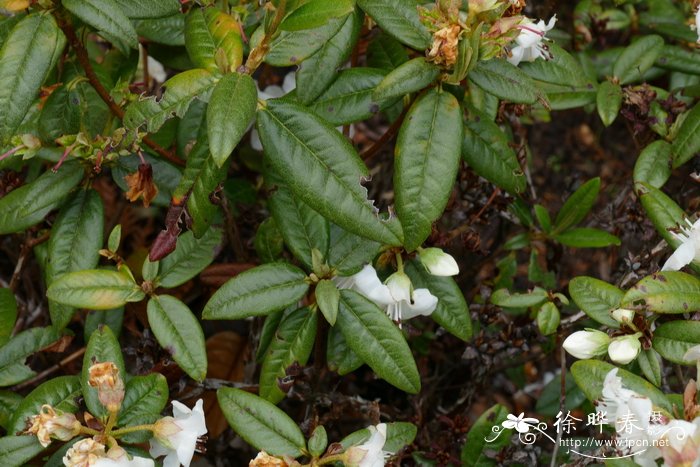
(530, 43)
(591, 343)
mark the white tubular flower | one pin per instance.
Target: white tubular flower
(371, 453)
(587, 344)
(117, 457)
(624, 349)
(530, 42)
(438, 263)
(176, 437)
(688, 250)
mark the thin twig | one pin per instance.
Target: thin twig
(77, 354)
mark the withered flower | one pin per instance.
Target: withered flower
(110, 387)
(263, 459)
(444, 49)
(141, 183)
(49, 423)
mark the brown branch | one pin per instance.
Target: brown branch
(84, 59)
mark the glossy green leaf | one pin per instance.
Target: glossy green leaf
(590, 374)
(18, 348)
(315, 13)
(26, 58)
(637, 58)
(385, 52)
(400, 19)
(269, 328)
(504, 81)
(62, 393)
(102, 347)
(260, 423)
(96, 289)
(650, 363)
(596, 298)
(109, 19)
(302, 228)
(269, 242)
(674, 57)
(341, 358)
(230, 112)
(348, 252)
(425, 164)
(548, 319)
(213, 40)
(328, 298)
(190, 257)
(586, 237)
(687, 141)
(8, 314)
(409, 77)
(663, 212)
(487, 151)
(18, 450)
(322, 169)
(180, 90)
(577, 205)
(293, 47)
(179, 332)
(370, 333)
(653, 165)
(318, 71)
(257, 291)
(608, 101)
(169, 30)
(349, 98)
(475, 451)
(293, 342)
(96, 318)
(149, 8)
(562, 69)
(144, 400)
(665, 292)
(508, 299)
(29, 204)
(673, 339)
(452, 312)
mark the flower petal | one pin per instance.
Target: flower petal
(683, 256)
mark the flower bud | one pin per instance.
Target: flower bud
(587, 344)
(624, 349)
(623, 315)
(438, 263)
(400, 286)
(110, 387)
(48, 424)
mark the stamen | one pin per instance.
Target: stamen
(532, 30)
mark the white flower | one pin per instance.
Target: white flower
(587, 344)
(438, 263)
(371, 453)
(688, 250)
(623, 316)
(696, 26)
(624, 349)
(117, 457)
(176, 438)
(520, 423)
(156, 70)
(692, 354)
(530, 42)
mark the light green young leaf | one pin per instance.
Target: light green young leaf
(96, 289)
(586, 237)
(328, 298)
(653, 165)
(596, 298)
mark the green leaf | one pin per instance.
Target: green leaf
(398, 435)
(114, 238)
(586, 237)
(8, 314)
(341, 358)
(202, 175)
(59, 115)
(349, 98)
(96, 318)
(385, 52)
(26, 58)
(650, 364)
(260, 423)
(149, 8)
(179, 332)
(370, 333)
(452, 312)
(318, 441)
(673, 339)
(213, 40)
(548, 318)
(102, 347)
(567, 97)
(590, 374)
(608, 101)
(302, 228)
(144, 400)
(318, 71)
(257, 291)
(110, 21)
(637, 58)
(678, 58)
(543, 217)
(487, 151)
(407, 78)
(18, 450)
(475, 449)
(322, 169)
(76, 238)
(328, 300)
(504, 298)
(18, 348)
(426, 161)
(293, 342)
(687, 141)
(504, 80)
(29, 204)
(269, 328)
(653, 165)
(96, 289)
(169, 30)
(231, 109)
(269, 242)
(62, 393)
(400, 19)
(293, 47)
(348, 253)
(548, 401)
(190, 257)
(596, 298)
(180, 90)
(663, 212)
(9, 401)
(665, 292)
(577, 205)
(315, 13)
(562, 69)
